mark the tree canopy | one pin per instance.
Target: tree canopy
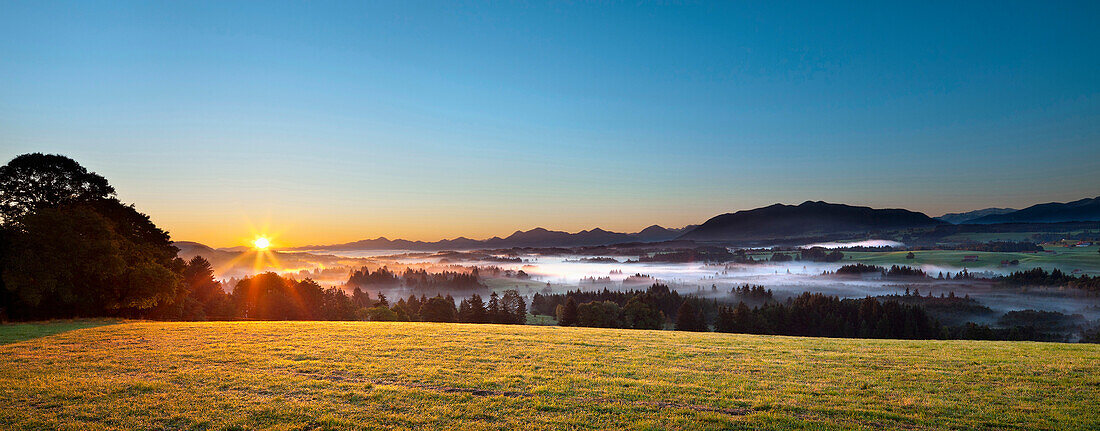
(33, 181)
(70, 249)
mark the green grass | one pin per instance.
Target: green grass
(1006, 236)
(14, 332)
(372, 375)
(1065, 258)
(539, 319)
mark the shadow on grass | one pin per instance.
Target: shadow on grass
(16, 332)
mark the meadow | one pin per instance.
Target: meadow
(15, 332)
(364, 375)
(1067, 259)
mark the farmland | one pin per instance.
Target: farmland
(1066, 259)
(369, 375)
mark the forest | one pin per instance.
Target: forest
(417, 279)
(908, 316)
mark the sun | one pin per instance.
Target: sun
(261, 243)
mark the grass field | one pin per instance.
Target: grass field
(1065, 258)
(1006, 236)
(361, 375)
(25, 331)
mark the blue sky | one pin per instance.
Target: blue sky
(333, 122)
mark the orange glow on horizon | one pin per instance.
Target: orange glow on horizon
(261, 243)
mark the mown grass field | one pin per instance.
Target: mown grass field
(1066, 259)
(25, 331)
(362, 375)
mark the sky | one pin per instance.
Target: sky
(326, 122)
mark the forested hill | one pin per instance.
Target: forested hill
(805, 220)
(964, 217)
(1053, 212)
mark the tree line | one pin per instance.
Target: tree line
(808, 314)
(895, 271)
(416, 279)
(657, 307)
(1040, 277)
(638, 309)
(819, 315)
(509, 308)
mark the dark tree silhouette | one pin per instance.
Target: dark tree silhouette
(688, 319)
(438, 309)
(72, 261)
(201, 297)
(567, 313)
(602, 314)
(33, 181)
(268, 296)
(637, 314)
(493, 309)
(472, 310)
(513, 308)
(70, 249)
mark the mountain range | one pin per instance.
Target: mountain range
(1080, 210)
(958, 218)
(809, 220)
(537, 237)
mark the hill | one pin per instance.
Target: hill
(368, 375)
(956, 218)
(810, 219)
(1053, 212)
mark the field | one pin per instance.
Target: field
(25, 331)
(360, 375)
(1066, 259)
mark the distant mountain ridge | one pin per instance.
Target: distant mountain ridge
(811, 219)
(1087, 209)
(957, 218)
(808, 219)
(537, 237)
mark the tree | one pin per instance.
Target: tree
(687, 319)
(381, 314)
(639, 315)
(493, 310)
(438, 309)
(472, 310)
(71, 249)
(34, 181)
(266, 296)
(567, 313)
(513, 308)
(72, 261)
(743, 319)
(724, 322)
(269, 296)
(599, 314)
(201, 296)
